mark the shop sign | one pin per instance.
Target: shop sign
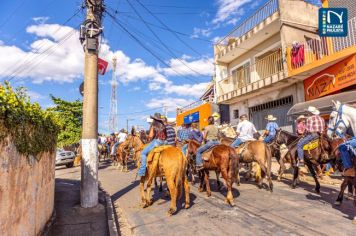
(191, 118)
(333, 22)
(331, 80)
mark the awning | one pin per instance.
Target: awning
(324, 104)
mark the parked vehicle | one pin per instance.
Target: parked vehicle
(65, 158)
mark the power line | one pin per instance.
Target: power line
(164, 45)
(144, 46)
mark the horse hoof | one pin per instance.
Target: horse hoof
(337, 203)
(200, 189)
(186, 206)
(292, 186)
(232, 204)
(208, 194)
(317, 191)
(171, 211)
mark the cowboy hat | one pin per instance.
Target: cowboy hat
(301, 117)
(243, 116)
(157, 116)
(270, 118)
(313, 110)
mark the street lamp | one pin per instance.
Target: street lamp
(127, 123)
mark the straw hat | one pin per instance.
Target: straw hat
(313, 110)
(271, 118)
(301, 117)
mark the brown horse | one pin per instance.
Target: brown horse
(103, 152)
(222, 159)
(122, 154)
(170, 162)
(255, 151)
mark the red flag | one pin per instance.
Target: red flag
(102, 65)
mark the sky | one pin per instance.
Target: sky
(164, 51)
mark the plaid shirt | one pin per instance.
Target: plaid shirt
(183, 134)
(171, 135)
(315, 124)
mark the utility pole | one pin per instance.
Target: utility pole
(165, 110)
(89, 37)
(127, 123)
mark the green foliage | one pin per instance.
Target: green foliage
(69, 116)
(32, 129)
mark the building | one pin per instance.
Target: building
(261, 65)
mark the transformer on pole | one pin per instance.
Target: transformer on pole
(113, 100)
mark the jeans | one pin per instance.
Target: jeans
(346, 152)
(236, 143)
(145, 151)
(108, 149)
(304, 141)
(206, 146)
(185, 149)
(268, 139)
(113, 150)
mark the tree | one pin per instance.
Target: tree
(70, 119)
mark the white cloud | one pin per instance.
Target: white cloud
(169, 102)
(229, 9)
(193, 90)
(34, 96)
(203, 32)
(40, 19)
(199, 67)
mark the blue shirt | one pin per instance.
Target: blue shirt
(196, 135)
(171, 135)
(272, 127)
(183, 134)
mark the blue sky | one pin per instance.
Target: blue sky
(41, 51)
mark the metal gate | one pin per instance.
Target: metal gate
(278, 108)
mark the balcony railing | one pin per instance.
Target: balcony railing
(260, 15)
(210, 99)
(262, 69)
(312, 50)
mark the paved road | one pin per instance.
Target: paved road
(257, 212)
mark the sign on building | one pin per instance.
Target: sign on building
(333, 22)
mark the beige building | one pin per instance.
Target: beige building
(252, 75)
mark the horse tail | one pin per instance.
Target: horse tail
(179, 175)
(233, 163)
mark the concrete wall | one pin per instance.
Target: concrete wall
(26, 191)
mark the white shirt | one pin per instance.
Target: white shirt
(122, 137)
(246, 130)
(102, 140)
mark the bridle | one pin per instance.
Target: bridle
(338, 121)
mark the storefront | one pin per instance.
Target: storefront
(337, 82)
(198, 114)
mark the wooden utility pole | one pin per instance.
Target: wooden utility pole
(89, 34)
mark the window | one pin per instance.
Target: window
(241, 75)
(236, 114)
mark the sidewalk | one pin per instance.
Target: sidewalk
(70, 218)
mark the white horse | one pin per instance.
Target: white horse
(342, 118)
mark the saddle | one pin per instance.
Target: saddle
(311, 145)
(155, 153)
(241, 149)
(206, 154)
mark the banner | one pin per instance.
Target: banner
(336, 77)
(102, 65)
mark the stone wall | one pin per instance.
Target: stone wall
(26, 191)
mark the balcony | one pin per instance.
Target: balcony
(264, 72)
(261, 25)
(315, 54)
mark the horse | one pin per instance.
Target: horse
(103, 154)
(122, 153)
(222, 159)
(170, 162)
(254, 151)
(342, 119)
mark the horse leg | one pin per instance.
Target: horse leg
(201, 176)
(313, 173)
(295, 176)
(238, 181)
(341, 193)
(173, 192)
(142, 190)
(186, 191)
(206, 178)
(228, 180)
(218, 180)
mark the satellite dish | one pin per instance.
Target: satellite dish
(81, 89)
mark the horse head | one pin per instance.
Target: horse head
(338, 122)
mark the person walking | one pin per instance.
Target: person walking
(244, 131)
(315, 126)
(211, 137)
(271, 129)
(158, 135)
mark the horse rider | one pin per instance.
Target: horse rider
(171, 133)
(195, 133)
(244, 131)
(271, 129)
(347, 153)
(301, 126)
(211, 139)
(183, 135)
(315, 126)
(158, 135)
(120, 138)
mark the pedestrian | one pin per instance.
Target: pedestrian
(245, 131)
(301, 126)
(171, 133)
(211, 139)
(271, 129)
(315, 126)
(158, 135)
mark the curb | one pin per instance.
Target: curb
(110, 213)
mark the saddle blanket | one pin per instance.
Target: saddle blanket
(206, 154)
(155, 153)
(312, 145)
